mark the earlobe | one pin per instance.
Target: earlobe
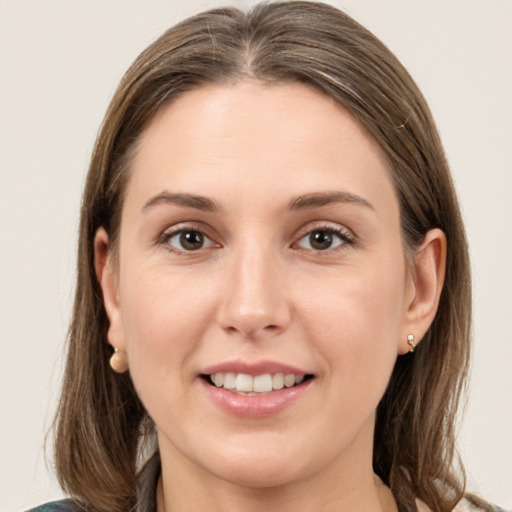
(426, 279)
(107, 279)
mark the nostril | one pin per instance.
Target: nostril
(253, 332)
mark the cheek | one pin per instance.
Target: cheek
(165, 317)
(356, 324)
(158, 302)
(364, 301)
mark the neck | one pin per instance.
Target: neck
(378, 498)
(347, 484)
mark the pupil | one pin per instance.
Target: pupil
(320, 240)
(191, 240)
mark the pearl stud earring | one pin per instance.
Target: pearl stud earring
(119, 361)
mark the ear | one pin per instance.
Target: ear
(423, 289)
(107, 278)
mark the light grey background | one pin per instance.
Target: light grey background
(60, 61)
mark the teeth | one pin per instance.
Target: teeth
(262, 383)
(243, 382)
(219, 379)
(278, 381)
(289, 380)
(230, 380)
(247, 384)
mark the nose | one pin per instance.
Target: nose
(254, 301)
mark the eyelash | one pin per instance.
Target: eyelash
(167, 236)
(345, 238)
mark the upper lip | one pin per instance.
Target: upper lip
(253, 368)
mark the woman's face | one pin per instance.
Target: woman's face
(260, 238)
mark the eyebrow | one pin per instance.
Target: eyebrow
(187, 200)
(318, 199)
(303, 202)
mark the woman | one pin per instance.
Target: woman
(273, 262)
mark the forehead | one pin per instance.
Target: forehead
(290, 138)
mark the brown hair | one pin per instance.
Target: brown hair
(100, 420)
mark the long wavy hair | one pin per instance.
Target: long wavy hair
(101, 423)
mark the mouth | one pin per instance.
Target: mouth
(255, 385)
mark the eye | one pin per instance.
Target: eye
(186, 240)
(323, 240)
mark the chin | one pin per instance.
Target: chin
(264, 475)
(259, 469)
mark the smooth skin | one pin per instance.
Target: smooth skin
(292, 253)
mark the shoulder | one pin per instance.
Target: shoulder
(465, 506)
(468, 504)
(473, 503)
(58, 506)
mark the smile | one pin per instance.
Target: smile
(244, 384)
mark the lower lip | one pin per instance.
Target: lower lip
(260, 406)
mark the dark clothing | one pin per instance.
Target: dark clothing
(56, 506)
